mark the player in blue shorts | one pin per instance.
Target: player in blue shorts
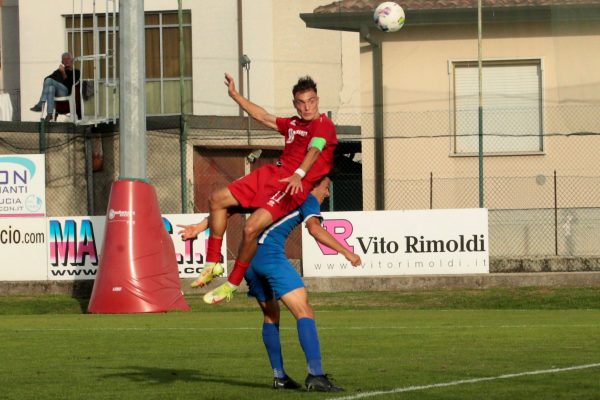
(271, 277)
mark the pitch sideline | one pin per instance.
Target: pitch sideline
(465, 381)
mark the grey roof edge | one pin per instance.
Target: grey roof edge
(410, 5)
(355, 20)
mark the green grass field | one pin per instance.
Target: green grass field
(469, 344)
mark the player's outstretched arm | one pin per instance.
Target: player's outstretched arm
(191, 231)
(254, 110)
(321, 235)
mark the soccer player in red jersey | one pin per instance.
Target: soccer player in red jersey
(272, 190)
(271, 277)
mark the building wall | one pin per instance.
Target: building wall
(330, 57)
(214, 46)
(9, 71)
(417, 91)
(274, 37)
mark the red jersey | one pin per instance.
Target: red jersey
(298, 134)
(262, 187)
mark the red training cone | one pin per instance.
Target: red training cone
(138, 269)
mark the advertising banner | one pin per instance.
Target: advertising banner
(22, 185)
(23, 249)
(418, 242)
(75, 243)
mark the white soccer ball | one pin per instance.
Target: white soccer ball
(389, 16)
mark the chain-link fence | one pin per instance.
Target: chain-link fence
(542, 190)
(543, 202)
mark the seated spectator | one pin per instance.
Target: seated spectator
(57, 84)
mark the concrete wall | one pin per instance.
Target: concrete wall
(83, 289)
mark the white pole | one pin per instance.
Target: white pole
(132, 95)
(480, 108)
(106, 56)
(114, 61)
(82, 61)
(96, 60)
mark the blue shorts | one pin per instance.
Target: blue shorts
(266, 281)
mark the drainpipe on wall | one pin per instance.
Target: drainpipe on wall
(377, 54)
(183, 129)
(240, 37)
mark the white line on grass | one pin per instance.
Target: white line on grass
(464, 381)
(446, 327)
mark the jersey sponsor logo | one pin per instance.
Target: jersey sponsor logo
(292, 134)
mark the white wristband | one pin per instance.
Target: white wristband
(300, 172)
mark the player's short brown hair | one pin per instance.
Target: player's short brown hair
(304, 83)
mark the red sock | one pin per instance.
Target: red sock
(237, 274)
(213, 251)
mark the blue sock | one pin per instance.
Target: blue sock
(309, 340)
(270, 334)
